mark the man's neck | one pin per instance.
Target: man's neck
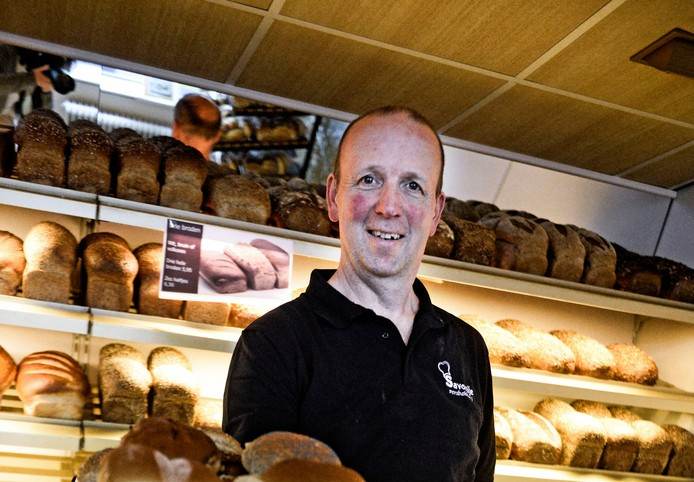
(392, 298)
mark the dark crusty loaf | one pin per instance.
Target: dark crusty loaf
(278, 257)
(482, 208)
(304, 471)
(111, 268)
(164, 143)
(42, 138)
(149, 259)
(473, 242)
(230, 450)
(51, 254)
(237, 197)
(583, 437)
(441, 242)
(601, 259)
(184, 173)
(89, 164)
(8, 371)
(206, 312)
(503, 435)
(545, 351)
(124, 383)
(503, 346)
(621, 445)
(296, 205)
(592, 357)
(637, 273)
(655, 444)
(566, 255)
(12, 263)
(521, 244)
(460, 209)
(534, 438)
(123, 135)
(274, 447)
(138, 170)
(632, 364)
(678, 280)
(52, 384)
(259, 271)
(682, 458)
(175, 390)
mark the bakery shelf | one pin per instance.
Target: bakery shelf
(242, 146)
(17, 311)
(102, 435)
(581, 387)
(514, 471)
(47, 198)
(163, 331)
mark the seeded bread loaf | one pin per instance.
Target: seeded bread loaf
(503, 435)
(12, 263)
(89, 470)
(124, 383)
(545, 351)
(237, 197)
(89, 164)
(473, 242)
(304, 471)
(274, 447)
(206, 312)
(601, 259)
(636, 273)
(174, 388)
(504, 348)
(184, 173)
(300, 209)
(149, 259)
(521, 244)
(566, 255)
(110, 268)
(138, 170)
(681, 462)
(42, 139)
(592, 357)
(633, 364)
(655, 444)
(441, 243)
(461, 210)
(482, 208)
(535, 439)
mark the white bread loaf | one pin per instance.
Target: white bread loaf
(655, 444)
(175, 390)
(8, 371)
(110, 268)
(12, 263)
(632, 364)
(534, 438)
(545, 351)
(124, 383)
(592, 357)
(503, 346)
(503, 435)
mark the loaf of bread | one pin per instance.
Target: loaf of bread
(208, 414)
(12, 263)
(149, 259)
(260, 274)
(138, 170)
(51, 254)
(682, 458)
(279, 130)
(655, 444)
(110, 269)
(460, 209)
(221, 273)
(42, 139)
(278, 257)
(206, 312)
(504, 348)
(592, 357)
(566, 255)
(52, 384)
(89, 164)
(621, 443)
(503, 435)
(601, 259)
(184, 173)
(175, 390)
(302, 211)
(123, 135)
(583, 437)
(482, 208)
(534, 438)
(473, 243)
(8, 371)
(89, 470)
(521, 244)
(636, 273)
(237, 197)
(274, 447)
(632, 364)
(241, 316)
(124, 383)
(441, 243)
(545, 351)
(164, 143)
(677, 280)
(303, 471)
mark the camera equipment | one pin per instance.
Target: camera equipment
(31, 59)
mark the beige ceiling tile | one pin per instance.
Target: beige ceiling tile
(190, 36)
(668, 172)
(263, 4)
(500, 35)
(342, 74)
(598, 65)
(558, 128)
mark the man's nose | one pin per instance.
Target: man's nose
(389, 202)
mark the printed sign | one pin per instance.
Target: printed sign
(211, 263)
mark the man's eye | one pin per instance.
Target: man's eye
(367, 180)
(413, 186)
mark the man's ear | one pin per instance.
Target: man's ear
(440, 204)
(331, 197)
(176, 131)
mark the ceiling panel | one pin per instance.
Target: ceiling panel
(558, 128)
(668, 172)
(264, 4)
(342, 74)
(598, 64)
(500, 35)
(189, 36)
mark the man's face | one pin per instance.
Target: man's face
(386, 201)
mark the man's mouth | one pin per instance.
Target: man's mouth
(385, 235)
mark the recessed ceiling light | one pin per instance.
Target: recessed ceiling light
(673, 52)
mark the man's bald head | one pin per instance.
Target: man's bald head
(387, 111)
(198, 116)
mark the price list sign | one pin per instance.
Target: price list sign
(181, 262)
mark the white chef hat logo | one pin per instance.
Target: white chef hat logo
(445, 369)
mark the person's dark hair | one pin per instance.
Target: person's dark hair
(384, 112)
(197, 115)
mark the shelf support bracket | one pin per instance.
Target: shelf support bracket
(639, 321)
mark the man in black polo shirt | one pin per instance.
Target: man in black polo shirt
(363, 361)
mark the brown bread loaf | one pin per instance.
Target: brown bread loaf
(110, 268)
(441, 243)
(503, 435)
(636, 273)
(259, 271)
(621, 444)
(149, 259)
(655, 444)
(583, 437)
(89, 164)
(42, 138)
(521, 244)
(184, 173)
(89, 470)
(12, 263)
(52, 384)
(138, 170)
(297, 206)
(677, 280)
(123, 135)
(504, 348)
(221, 273)
(461, 210)
(566, 255)
(278, 257)
(164, 143)
(482, 208)
(241, 316)
(682, 458)
(601, 259)
(545, 351)
(274, 447)
(237, 197)
(473, 243)
(304, 471)
(51, 254)
(534, 438)
(633, 365)
(592, 357)
(8, 371)
(124, 383)
(206, 312)
(175, 391)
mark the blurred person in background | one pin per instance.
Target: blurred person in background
(197, 123)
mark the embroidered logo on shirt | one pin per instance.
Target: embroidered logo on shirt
(457, 389)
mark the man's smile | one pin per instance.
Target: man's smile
(385, 235)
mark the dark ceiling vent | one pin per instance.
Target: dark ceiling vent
(673, 52)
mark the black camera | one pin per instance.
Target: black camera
(31, 59)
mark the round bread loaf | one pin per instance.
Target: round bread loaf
(504, 348)
(89, 470)
(8, 370)
(592, 357)
(682, 459)
(482, 208)
(521, 244)
(274, 447)
(304, 471)
(237, 197)
(164, 143)
(601, 259)
(534, 438)
(503, 435)
(441, 243)
(633, 364)
(545, 351)
(566, 253)
(302, 211)
(461, 209)
(12, 263)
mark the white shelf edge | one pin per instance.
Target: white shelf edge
(102, 435)
(27, 313)
(44, 433)
(582, 387)
(47, 198)
(163, 331)
(514, 471)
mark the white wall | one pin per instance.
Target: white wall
(677, 241)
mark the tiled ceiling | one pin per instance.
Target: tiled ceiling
(545, 78)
